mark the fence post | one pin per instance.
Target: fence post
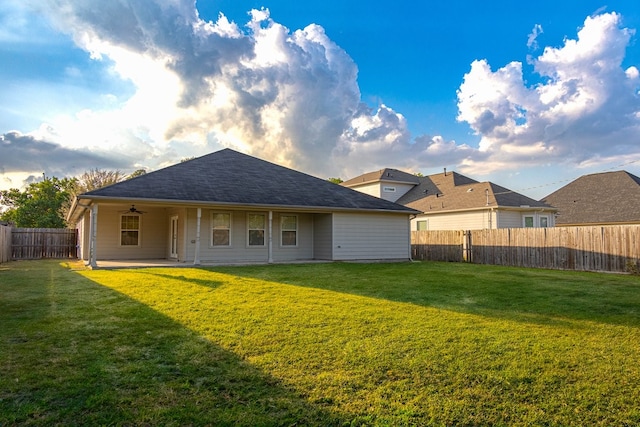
(466, 237)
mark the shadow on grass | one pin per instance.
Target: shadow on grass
(83, 354)
(528, 295)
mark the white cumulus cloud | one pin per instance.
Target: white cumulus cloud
(292, 97)
(585, 104)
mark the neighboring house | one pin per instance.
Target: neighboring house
(450, 201)
(228, 207)
(609, 198)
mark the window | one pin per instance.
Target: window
(130, 230)
(289, 230)
(528, 221)
(544, 221)
(220, 229)
(422, 225)
(256, 229)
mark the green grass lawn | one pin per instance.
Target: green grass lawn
(318, 344)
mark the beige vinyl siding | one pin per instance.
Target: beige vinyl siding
(480, 219)
(304, 248)
(239, 250)
(510, 219)
(474, 220)
(377, 189)
(370, 236)
(153, 235)
(322, 236)
(372, 189)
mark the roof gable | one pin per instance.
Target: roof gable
(609, 197)
(230, 177)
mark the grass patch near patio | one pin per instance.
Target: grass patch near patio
(319, 344)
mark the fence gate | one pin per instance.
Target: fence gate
(37, 243)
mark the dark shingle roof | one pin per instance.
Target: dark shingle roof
(451, 191)
(601, 198)
(230, 177)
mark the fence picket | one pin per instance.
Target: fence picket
(589, 248)
(37, 243)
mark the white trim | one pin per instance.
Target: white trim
(93, 234)
(540, 221)
(270, 249)
(196, 256)
(230, 229)
(524, 220)
(297, 230)
(139, 230)
(264, 230)
(173, 236)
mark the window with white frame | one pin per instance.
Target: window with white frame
(544, 221)
(422, 225)
(220, 229)
(130, 230)
(528, 221)
(256, 225)
(288, 230)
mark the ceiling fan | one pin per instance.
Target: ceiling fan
(133, 210)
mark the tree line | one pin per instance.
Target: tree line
(45, 204)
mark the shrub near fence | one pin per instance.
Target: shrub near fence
(37, 243)
(602, 248)
(5, 244)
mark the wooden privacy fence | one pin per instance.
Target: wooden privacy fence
(5, 244)
(37, 243)
(601, 248)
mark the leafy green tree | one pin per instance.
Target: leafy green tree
(41, 205)
(335, 180)
(137, 173)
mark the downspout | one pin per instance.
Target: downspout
(93, 224)
(196, 257)
(270, 246)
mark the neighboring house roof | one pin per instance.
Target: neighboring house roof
(386, 175)
(601, 198)
(232, 178)
(451, 191)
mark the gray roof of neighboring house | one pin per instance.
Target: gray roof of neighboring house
(451, 191)
(387, 174)
(232, 178)
(601, 198)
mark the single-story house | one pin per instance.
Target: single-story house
(228, 207)
(609, 198)
(451, 201)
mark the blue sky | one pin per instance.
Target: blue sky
(529, 95)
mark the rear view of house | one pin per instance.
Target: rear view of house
(450, 201)
(228, 207)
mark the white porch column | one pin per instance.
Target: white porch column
(93, 233)
(196, 257)
(270, 247)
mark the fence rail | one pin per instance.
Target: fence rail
(37, 243)
(5, 244)
(603, 248)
